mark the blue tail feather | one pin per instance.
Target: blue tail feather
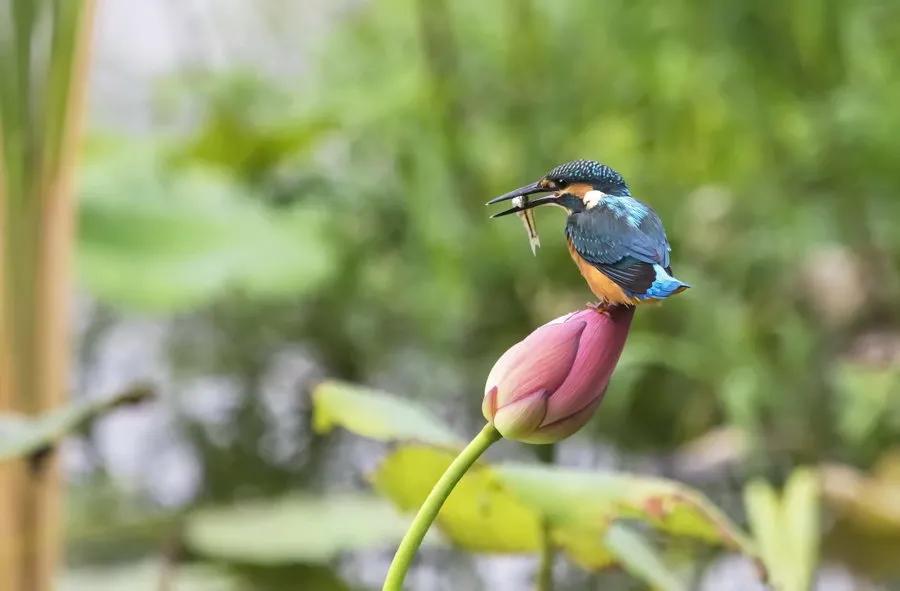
(663, 286)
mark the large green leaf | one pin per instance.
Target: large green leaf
(570, 496)
(480, 514)
(800, 506)
(146, 576)
(499, 508)
(377, 415)
(22, 436)
(786, 528)
(295, 529)
(174, 240)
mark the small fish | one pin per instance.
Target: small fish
(527, 218)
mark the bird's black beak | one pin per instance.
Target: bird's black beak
(531, 189)
(535, 187)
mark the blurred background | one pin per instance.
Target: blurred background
(273, 193)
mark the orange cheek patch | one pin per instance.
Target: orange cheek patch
(578, 189)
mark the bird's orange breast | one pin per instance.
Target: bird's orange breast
(607, 290)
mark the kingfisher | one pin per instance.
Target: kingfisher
(618, 243)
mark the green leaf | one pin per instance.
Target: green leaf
(640, 558)
(146, 576)
(295, 529)
(499, 508)
(179, 238)
(764, 515)
(800, 508)
(480, 514)
(786, 528)
(574, 497)
(584, 544)
(377, 415)
(22, 436)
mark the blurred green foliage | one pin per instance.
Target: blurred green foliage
(786, 528)
(509, 507)
(761, 134)
(173, 242)
(294, 530)
(24, 436)
(343, 211)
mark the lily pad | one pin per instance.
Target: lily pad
(573, 497)
(499, 508)
(377, 415)
(145, 576)
(480, 514)
(295, 529)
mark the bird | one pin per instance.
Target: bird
(617, 242)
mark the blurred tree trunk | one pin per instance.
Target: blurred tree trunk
(43, 69)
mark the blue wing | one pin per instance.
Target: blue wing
(625, 240)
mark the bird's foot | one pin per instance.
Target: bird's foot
(601, 307)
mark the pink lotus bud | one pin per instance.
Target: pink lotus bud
(547, 386)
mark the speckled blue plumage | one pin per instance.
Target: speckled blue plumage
(600, 176)
(605, 234)
(619, 235)
(627, 208)
(617, 242)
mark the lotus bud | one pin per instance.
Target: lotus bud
(547, 386)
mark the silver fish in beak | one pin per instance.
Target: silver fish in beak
(522, 204)
(526, 214)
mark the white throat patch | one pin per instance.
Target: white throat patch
(592, 198)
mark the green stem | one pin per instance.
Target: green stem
(548, 552)
(429, 509)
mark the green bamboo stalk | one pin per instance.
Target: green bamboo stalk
(9, 474)
(41, 109)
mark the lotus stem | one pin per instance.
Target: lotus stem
(428, 511)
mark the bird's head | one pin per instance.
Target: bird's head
(574, 186)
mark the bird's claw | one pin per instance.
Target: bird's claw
(601, 307)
